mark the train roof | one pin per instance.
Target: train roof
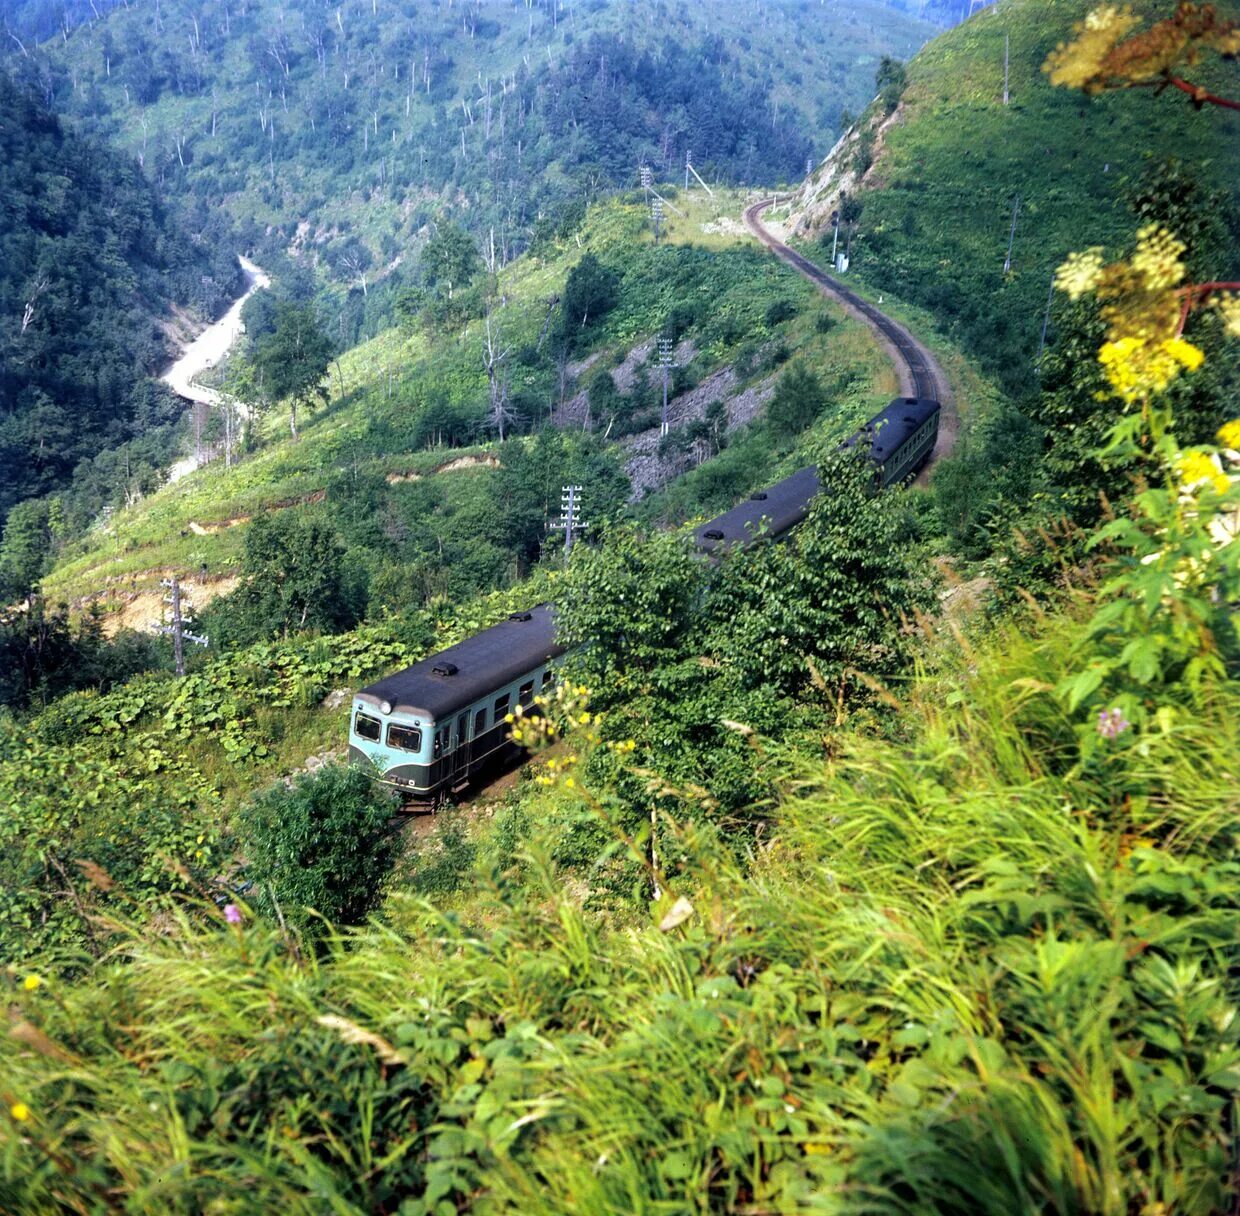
(786, 503)
(782, 506)
(892, 426)
(448, 681)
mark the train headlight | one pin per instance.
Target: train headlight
(386, 706)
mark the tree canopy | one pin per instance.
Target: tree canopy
(90, 257)
(293, 359)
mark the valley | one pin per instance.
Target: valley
(800, 436)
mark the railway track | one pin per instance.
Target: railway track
(918, 371)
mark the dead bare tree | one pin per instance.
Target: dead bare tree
(552, 301)
(37, 288)
(493, 356)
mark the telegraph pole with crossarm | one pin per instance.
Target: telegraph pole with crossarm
(667, 361)
(177, 629)
(570, 519)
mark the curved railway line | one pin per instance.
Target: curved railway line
(918, 371)
(454, 702)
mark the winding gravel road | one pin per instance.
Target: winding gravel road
(204, 352)
(918, 371)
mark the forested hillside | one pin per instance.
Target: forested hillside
(571, 399)
(92, 262)
(343, 130)
(886, 870)
(942, 175)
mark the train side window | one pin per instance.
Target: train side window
(406, 738)
(501, 707)
(525, 694)
(442, 739)
(480, 722)
(547, 680)
(366, 727)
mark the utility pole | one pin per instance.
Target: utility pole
(646, 176)
(690, 169)
(835, 241)
(667, 361)
(1006, 43)
(1046, 320)
(570, 519)
(177, 629)
(688, 158)
(1007, 261)
(656, 211)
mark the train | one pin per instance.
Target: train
(431, 729)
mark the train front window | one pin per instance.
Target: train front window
(366, 727)
(406, 738)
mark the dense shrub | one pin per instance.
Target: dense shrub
(294, 579)
(797, 401)
(321, 844)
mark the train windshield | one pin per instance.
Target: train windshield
(366, 727)
(406, 738)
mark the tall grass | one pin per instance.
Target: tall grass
(966, 973)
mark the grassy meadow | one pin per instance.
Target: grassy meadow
(965, 973)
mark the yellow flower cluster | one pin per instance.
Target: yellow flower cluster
(1228, 303)
(557, 769)
(542, 724)
(1159, 258)
(1080, 274)
(1105, 54)
(1082, 63)
(20, 1112)
(1229, 435)
(1142, 308)
(1136, 368)
(1196, 470)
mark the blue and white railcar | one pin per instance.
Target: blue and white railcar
(429, 729)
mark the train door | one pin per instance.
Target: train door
(461, 749)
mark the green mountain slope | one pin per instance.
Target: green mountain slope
(407, 441)
(951, 951)
(951, 164)
(826, 885)
(327, 127)
(92, 262)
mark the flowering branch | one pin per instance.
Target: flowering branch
(1103, 56)
(1201, 96)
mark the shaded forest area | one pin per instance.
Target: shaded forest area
(344, 130)
(90, 259)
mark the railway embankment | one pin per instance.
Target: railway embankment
(920, 374)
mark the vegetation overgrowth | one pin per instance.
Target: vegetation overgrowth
(415, 400)
(92, 260)
(821, 890)
(958, 176)
(969, 972)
